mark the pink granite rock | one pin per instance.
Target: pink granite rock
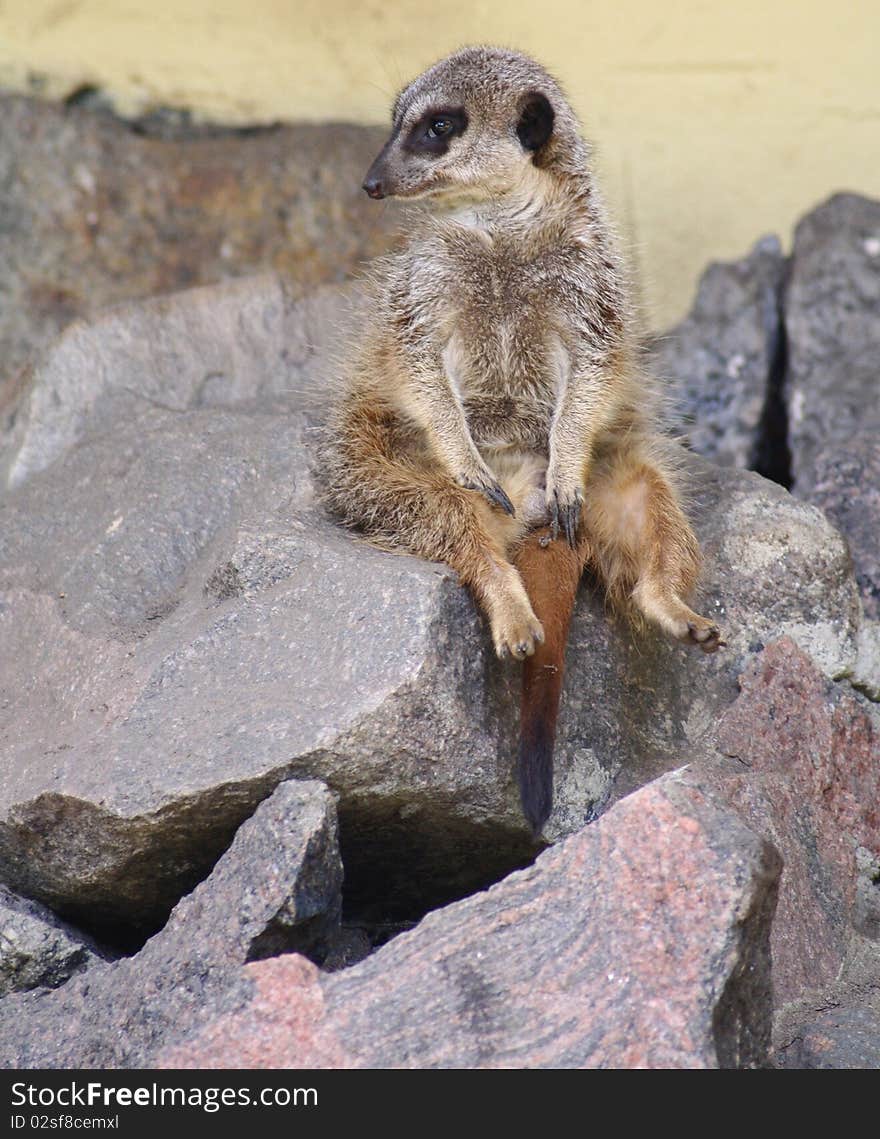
(641, 941)
(809, 781)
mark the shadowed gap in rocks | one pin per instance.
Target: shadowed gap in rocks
(772, 455)
(396, 871)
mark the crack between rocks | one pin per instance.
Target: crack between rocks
(771, 456)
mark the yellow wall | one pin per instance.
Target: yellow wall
(715, 121)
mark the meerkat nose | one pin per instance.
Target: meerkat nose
(374, 187)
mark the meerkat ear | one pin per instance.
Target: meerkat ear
(535, 121)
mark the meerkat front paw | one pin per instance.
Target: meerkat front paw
(487, 486)
(565, 507)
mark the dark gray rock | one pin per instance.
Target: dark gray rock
(776, 369)
(36, 949)
(719, 365)
(276, 889)
(845, 482)
(213, 633)
(833, 380)
(832, 302)
(847, 1037)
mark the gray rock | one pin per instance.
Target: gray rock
(847, 1037)
(276, 889)
(719, 365)
(832, 302)
(833, 379)
(36, 949)
(845, 482)
(95, 211)
(243, 344)
(213, 633)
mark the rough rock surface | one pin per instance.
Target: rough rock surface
(845, 482)
(808, 778)
(277, 889)
(776, 368)
(833, 375)
(847, 1037)
(832, 382)
(242, 345)
(213, 633)
(94, 211)
(718, 365)
(601, 954)
(36, 949)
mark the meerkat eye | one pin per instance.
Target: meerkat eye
(435, 130)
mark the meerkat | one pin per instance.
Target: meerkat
(496, 416)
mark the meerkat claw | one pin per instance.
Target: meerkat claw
(567, 516)
(571, 517)
(493, 492)
(554, 517)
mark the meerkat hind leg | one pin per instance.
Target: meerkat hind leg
(644, 546)
(409, 503)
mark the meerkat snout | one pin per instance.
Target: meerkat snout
(373, 186)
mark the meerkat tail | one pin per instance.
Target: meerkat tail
(550, 571)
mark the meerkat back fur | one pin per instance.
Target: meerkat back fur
(496, 416)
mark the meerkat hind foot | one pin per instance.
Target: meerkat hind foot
(515, 628)
(677, 619)
(705, 634)
(691, 629)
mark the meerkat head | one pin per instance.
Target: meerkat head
(472, 127)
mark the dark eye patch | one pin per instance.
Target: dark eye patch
(432, 133)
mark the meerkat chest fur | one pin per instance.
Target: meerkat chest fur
(502, 308)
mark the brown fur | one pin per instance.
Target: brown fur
(551, 571)
(497, 386)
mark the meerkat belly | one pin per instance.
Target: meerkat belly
(508, 391)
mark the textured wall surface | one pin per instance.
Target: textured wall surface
(713, 122)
